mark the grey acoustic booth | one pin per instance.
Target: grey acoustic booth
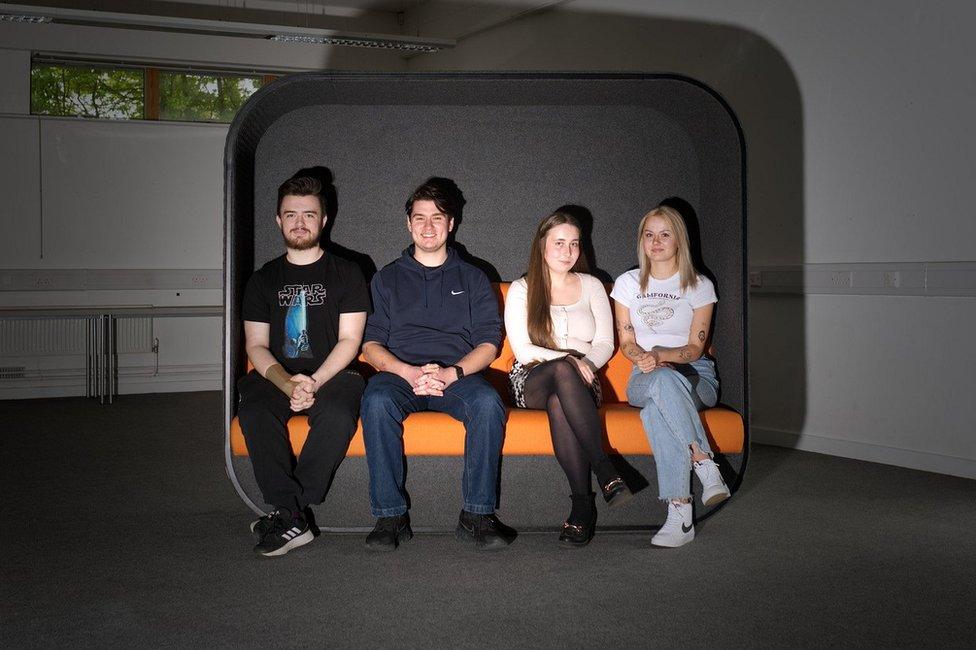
(518, 146)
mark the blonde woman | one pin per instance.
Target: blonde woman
(664, 313)
(560, 326)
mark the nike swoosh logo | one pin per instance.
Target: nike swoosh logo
(687, 529)
(456, 293)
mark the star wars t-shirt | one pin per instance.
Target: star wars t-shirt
(302, 303)
(662, 313)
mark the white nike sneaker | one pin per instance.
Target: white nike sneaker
(679, 529)
(714, 489)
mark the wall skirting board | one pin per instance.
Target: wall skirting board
(70, 381)
(910, 458)
(867, 278)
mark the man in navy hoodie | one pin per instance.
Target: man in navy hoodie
(435, 326)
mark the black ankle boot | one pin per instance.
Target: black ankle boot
(581, 525)
(615, 491)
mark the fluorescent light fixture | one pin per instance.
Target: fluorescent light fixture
(23, 18)
(378, 43)
(29, 14)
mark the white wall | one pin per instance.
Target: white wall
(859, 150)
(121, 181)
(15, 85)
(107, 204)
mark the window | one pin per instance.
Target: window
(136, 93)
(85, 91)
(203, 97)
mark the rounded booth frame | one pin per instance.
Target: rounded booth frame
(257, 115)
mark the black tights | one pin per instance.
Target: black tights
(574, 422)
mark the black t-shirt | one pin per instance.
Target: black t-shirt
(302, 305)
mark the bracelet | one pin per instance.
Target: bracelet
(459, 370)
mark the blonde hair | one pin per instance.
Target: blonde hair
(687, 274)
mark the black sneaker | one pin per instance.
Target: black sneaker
(486, 531)
(388, 533)
(284, 533)
(262, 525)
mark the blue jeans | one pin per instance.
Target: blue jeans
(389, 399)
(669, 400)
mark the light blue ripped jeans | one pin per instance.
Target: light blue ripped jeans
(669, 400)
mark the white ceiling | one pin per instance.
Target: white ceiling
(327, 7)
(446, 19)
(349, 15)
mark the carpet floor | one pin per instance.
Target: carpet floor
(121, 528)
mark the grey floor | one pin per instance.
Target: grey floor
(120, 528)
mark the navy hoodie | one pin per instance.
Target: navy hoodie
(438, 315)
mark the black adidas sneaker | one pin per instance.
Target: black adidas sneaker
(283, 533)
(262, 525)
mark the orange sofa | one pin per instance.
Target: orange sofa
(527, 431)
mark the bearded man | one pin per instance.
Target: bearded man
(304, 314)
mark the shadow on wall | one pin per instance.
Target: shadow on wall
(584, 217)
(330, 201)
(366, 264)
(486, 267)
(753, 76)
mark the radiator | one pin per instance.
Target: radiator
(66, 336)
(133, 335)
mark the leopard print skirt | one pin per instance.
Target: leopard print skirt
(516, 386)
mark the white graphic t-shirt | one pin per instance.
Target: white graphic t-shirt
(662, 313)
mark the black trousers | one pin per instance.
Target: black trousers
(286, 481)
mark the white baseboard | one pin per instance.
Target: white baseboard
(922, 460)
(70, 382)
(171, 379)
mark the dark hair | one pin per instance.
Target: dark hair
(539, 318)
(443, 192)
(300, 186)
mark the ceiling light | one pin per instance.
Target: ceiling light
(379, 43)
(23, 18)
(87, 17)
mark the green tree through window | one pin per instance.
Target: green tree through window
(203, 97)
(87, 92)
(129, 93)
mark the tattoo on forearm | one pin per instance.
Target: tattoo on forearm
(630, 351)
(627, 327)
(701, 336)
(685, 353)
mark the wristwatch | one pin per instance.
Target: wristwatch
(459, 371)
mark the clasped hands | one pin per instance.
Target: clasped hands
(649, 360)
(430, 379)
(302, 392)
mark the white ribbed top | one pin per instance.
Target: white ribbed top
(585, 326)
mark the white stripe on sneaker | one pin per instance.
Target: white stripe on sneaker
(291, 532)
(299, 540)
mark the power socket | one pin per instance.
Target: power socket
(840, 279)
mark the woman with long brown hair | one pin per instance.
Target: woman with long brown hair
(664, 315)
(560, 326)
